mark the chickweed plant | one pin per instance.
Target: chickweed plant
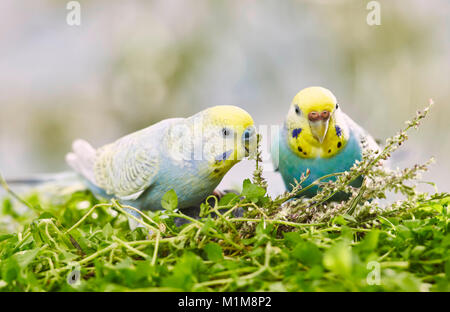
(70, 241)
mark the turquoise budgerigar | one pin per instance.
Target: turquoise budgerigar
(189, 155)
(317, 135)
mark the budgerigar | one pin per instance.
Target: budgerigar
(317, 135)
(189, 155)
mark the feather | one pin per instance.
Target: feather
(82, 159)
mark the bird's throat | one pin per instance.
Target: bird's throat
(307, 145)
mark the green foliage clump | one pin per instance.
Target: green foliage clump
(73, 242)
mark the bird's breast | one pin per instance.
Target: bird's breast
(291, 166)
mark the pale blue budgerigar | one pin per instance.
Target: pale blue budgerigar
(317, 135)
(189, 155)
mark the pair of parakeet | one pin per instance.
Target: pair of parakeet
(192, 155)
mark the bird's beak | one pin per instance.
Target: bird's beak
(319, 129)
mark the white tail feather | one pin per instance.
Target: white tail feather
(82, 159)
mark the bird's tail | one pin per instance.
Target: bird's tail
(56, 183)
(62, 178)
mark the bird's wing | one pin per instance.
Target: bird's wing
(125, 168)
(368, 142)
(275, 148)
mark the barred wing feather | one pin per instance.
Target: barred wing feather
(126, 168)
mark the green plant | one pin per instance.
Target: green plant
(73, 242)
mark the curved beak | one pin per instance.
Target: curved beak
(319, 129)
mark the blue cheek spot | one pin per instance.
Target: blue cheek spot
(296, 132)
(224, 156)
(338, 131)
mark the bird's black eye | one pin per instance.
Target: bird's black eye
(297, 110)
(337, 105)
(226, 132)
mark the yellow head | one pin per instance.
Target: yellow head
(228, 115)
(314, 123)
(229, 135)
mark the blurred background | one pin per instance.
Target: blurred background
(132, 63)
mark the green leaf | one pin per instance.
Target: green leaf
(67, 257)
(292, 238)
(417, 251)
(338, 259)
(447, 269)
(349, 218)
(10, 270)
(229, 199)
(252, 191)
(7, 208)
(24, 258)
(46, 215)
(169, 201)
(185, 272)
(339, 220)
(370, 241)
(107, 230)
(214, 252)
(307, 253)
(209, 223)
(6, 236)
